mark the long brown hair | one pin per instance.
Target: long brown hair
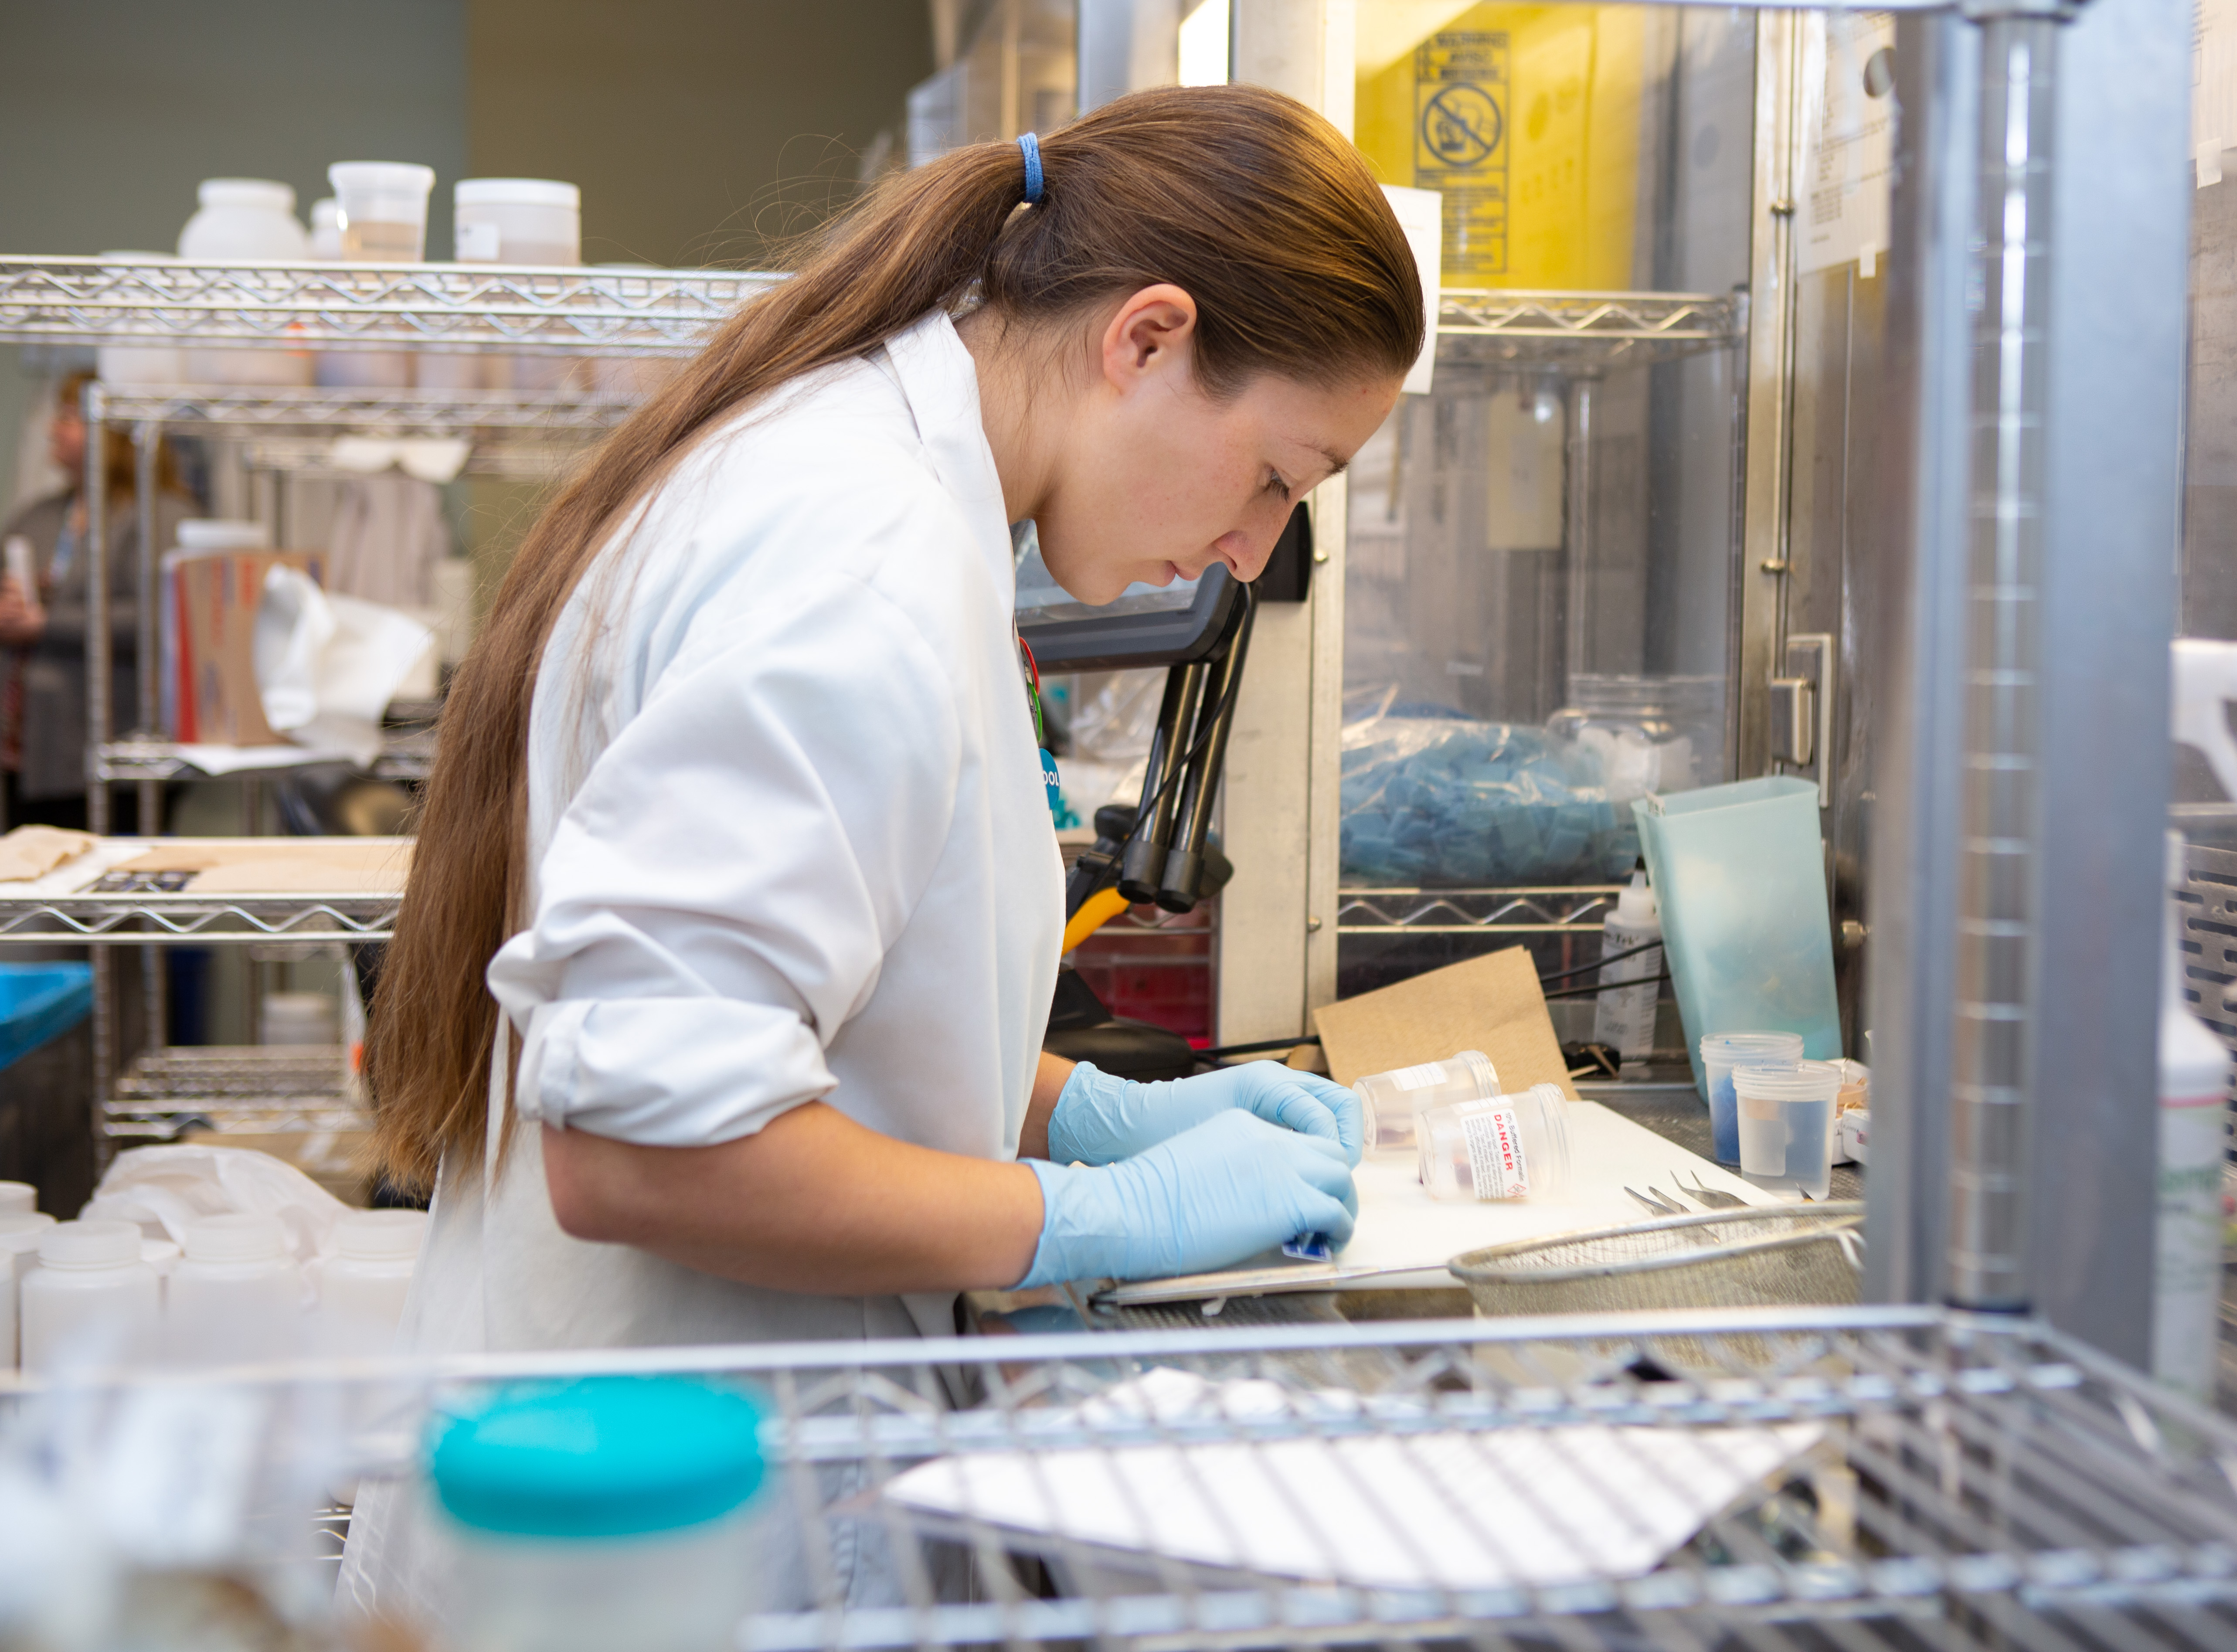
(1245, 199)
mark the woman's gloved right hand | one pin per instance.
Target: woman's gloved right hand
(1208, 1198)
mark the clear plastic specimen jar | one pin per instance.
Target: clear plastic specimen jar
(1390, 1101)
(1509, 1147)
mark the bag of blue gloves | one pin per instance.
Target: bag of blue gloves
(1186, 1175)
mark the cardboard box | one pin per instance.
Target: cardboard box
(1493, 1004)
(210, 633)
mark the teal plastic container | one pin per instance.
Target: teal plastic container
(1741, 874)
(602, 1513)
(38, 1002)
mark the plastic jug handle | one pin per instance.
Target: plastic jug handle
(2205, 684)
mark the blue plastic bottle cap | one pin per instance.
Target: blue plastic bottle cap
(600, 1456)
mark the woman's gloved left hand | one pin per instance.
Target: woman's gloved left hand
(1100, 1119)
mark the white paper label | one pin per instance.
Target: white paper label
(1495, 1157)
(477, 243)
(1418, 1078)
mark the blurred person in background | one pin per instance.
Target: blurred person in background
(42, 632)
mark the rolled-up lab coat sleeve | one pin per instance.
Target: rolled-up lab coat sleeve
(720, 894)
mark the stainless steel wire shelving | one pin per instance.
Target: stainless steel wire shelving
(1519, 909)
(1758, 1480)
(515, 309)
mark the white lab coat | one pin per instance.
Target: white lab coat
(789, 842)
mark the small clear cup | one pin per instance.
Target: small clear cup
(1720, 1053)
(1390, 1101)
(1785, 1124)
(1509, 1147)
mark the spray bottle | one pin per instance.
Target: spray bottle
(2194, 1075)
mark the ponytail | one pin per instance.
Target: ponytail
(1245, 199)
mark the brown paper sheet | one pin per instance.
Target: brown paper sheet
(1493, 1004)
(34, 851)
(277, 866)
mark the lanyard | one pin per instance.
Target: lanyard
(1031, 670)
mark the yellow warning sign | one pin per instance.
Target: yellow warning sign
(1462, 94)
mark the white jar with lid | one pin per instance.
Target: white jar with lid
(17, 1198)
(132, 364)
(363, 1283)
(91, 1297)
(521, 220)
(19, 1253)
(237, 1294)
(249, 219)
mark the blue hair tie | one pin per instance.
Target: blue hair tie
(1032, 148)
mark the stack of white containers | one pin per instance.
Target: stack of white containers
(105, 1293)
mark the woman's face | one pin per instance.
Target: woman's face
(66, 441)
(1156, 481)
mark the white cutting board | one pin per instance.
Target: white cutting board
(1404, 1238)
(1401, 1227)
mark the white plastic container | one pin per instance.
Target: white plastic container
(1787, 1125)
(383, 209)
(597, 1514)
(519, 220)
(363, 1285)
(17, 1198)
(19, 1253)
(381, 212)
(1720, 1053)
(249, 219)
(237, 1295)
(1511, 1146)
(1392, 1100)
(1625, 1015)
(129, 364)
(91, 1297)
(301, 1018)
(326, 231)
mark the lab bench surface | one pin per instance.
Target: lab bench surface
(1670, 1108)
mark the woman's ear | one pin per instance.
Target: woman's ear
(1150, 334)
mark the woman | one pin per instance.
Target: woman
(741, 788)
(42, 675)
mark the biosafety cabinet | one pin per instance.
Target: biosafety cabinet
(1808, 398)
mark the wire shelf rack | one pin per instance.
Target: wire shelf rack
(519, 310)
(274, 1089)
(1520, 909)
(650, 312)
(151, 917)
(406, 753)
(234, 409)
(1585, 329)
(1766, 1480)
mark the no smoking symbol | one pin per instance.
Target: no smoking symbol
(1461, 125)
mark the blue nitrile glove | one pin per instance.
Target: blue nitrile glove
(1099, 1120)
(1231, 1187)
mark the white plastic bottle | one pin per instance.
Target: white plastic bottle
(2194, 1138)
(17, 1198)
(1625, 1015)
(91, 1297)
(363, 1284)
(19, 1252)
(249, 219)
(237, 1295)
